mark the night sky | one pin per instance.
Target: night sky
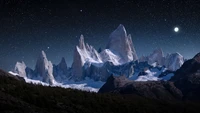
(29, 26)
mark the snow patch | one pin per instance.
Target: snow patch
(108, 55)
(151, 76)
(38, 82)
(85, 85)
(12, 73)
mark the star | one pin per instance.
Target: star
(176, 29)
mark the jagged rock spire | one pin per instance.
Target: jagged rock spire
(77, 65)
(156, 56)
(174, 61)
(122, 45)
(81, 42)
(44, 68)
(63, 65)
(82, 54)
(20, 68)
(135, 57)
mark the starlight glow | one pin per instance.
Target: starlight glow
(176, 29)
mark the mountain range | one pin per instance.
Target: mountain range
(118, 58)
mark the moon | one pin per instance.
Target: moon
(176, 29)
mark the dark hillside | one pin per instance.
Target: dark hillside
(17, 96)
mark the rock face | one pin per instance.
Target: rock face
(157, 56)
(122, 45)
(174, 61)
(82, 54)
(108, 56)
(23, 71)
(97, 73)
(77, 65)
(187, 78)
(150, 89)
(20, 69)
(30, 73)
(6, 74)
(197, 58)
(44, 69)
(63, 65)
(143, 59)
(103, 72)
(60, 71)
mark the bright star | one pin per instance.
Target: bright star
(176, 29)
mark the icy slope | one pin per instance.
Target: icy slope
(85, 85)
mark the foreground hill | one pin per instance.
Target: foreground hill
(151, 89)
(187, 78)
(18, 96)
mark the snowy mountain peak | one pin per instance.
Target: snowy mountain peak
(20, 69)
(121, 45)
(174, 61)
(121, 30)
(81, 42)
(160, 51)
(42, 60)
(44, 68)
(42, 55)
(157, 56)
(118, 34)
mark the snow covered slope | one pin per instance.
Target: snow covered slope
(86, 85)
(122, 45)
(20, 68)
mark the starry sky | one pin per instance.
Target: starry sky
(29, 26)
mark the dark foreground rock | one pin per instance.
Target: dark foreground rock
(3, 73)
(150, 89)
(187, 78)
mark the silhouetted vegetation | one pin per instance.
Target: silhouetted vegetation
(17, 96)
